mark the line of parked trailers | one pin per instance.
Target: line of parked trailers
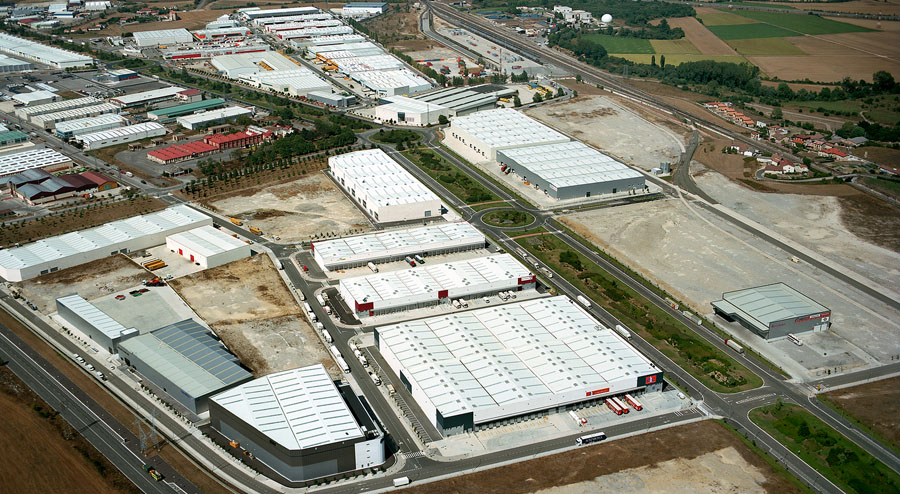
(618, 405)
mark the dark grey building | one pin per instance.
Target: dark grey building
(186, 360)
(299, 424)
(93, 322)
(570, 170)
(773, 311)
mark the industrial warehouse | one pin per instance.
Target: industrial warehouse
(383, 188)
(186, 360)
(93, 322)
(72, 128)
(43, 54)
(570, 170)
(44, 158)
(71, 249)
(486, 366)
(207, 246)
(299, 424)
(210, 117)
(48, 121)
(433, 284)
(120, 135)
(395, 245)
(147, 98)
(773, 311)
(478, 137)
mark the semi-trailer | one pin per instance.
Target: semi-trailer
(612, 406)
(327, 336)
(334, 351)
(621, 404)
(585, 302)
(343, 364)
(321, 299)
(622, 331)
(373, 267)
(733, 344)
(590, 438)
(634, 402)
(578, 420)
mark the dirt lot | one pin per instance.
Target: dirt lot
(45, 454)
(821, 67)
(882, 156)
(877, 405)
(90, 280)
(671, 460)
(194, 19)
(889, 7)
(397, 26)
(296, 210)
(66, 222)
(701, 37)
(611, 127)
(249, 307)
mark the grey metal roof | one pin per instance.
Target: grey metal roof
(189, 356)
(569, 164)
(771, 303)
(94, 316)
(299, 408)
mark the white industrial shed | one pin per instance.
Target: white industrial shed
(478, 136)
(251, 14)
(9, 64)
(359, 49)
(383, 188)
(121, 135)
(297, 82)
(465, 100)
(305, 24)
(47, 55)
(208, 246)
(265, 21)
(210, 117)
(36, 98)
(433, 284)
(237, 65)
(407, 111)
(299, 424)
(44, 158)
(392, 82)
(442, 238)
(122, 236)
(570, 170)
(28, 112)
(329, 40)
(48, 121)
(146, 97)
(88, 125)
(381, 62)
(470, 369)
(162, 37)
(93, 322)
(314, 32)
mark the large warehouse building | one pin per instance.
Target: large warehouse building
(162, 37)
(299, 424)
(121, 135)
(394, 245)
(383, 188)
(208, 246)
(570, 170)
(433, 284)
(47, 55)
(186, 360)
(469, 99)
(93, 322)
(212, 117)
(407, 111)
(72, 128)
(147, 97)
(467, 370)
(478, 137)
(42, 158)
(773, 311)
(27, 112)
(122, 236)
(48, 121)
(256, 13)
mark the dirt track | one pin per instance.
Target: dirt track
(672, 460)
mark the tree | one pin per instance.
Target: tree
(662, 60)
(653, 59)
(537, 98)
(516, 101)
(883, 80)
(803, 431)
(777, 114)
(442, 119)
(577, 77)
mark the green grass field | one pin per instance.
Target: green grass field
(668, 46)
(764, 5)
(844, 105)
(837, 458)
(750, 31)
(678, 59)
(723, 19)
(620, 44)
(806, 24)
(765, 46)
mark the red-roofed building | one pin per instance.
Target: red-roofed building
(833, 153)
(101, 181)
(249, 137)
(181, 152)
(190, 95)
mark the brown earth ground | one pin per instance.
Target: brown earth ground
(45, 454)
(890, 26)
(882, 156)
(821, 68)
(223, 5)
(112, 405)
(248, 306)
(194, 19)
(796, 86)
(701, 37)
(398, 28)
(877, 405)
(671, 460)
(881, 44)
(890, 7)
(65, 222)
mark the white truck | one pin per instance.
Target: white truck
(373, 267)
(622, 331)
(401, 481)
(375, 378)
(321, 299)
(334, 351)
(585, 302)
(734, 346)
(343, 364)
(327, 336)
(457, 305)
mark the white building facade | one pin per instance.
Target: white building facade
(207, 246)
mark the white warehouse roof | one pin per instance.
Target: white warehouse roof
(425, 283)
(410, 105)
(299, 80)
(89, 123)
(262, 21)
(34, 158)
(314, 32)
(27, 98)
(570, 163)
(82, 112)
(512, 359)
(94, 316)
(251, 63)
(306, 24)
(116, 232)
(162, 37)
(505, 127)
(376, 246)
(389, 80)
(123, 134)
(330, 40)
(212, 115)
(384, 181)
(259, 13)
(363, 64)
(298, 409)
(207, 241)
(56, 106)
(154, 94)
(42, 53)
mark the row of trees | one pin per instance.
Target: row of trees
(635, 14)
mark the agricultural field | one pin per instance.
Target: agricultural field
(701, 37)
(722, 19)
(679, 46)
(678, 59)
(822, 67)
(750, 31)
(888, 7)
(765, 46)
(806, 24)
(618, 44)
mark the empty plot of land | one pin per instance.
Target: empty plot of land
(889, 7)
(620, 44)
(701, 37)
(248, 306)
(765, 46)
(825, 68)
(885, 44)
(890, 26)
(296, 210)
(696, 256)
(680, 58)
(671, 460)
(717, 18)
(750, 31)
(194, 19)
(667, 46)
(877, 405)
(91, 280)
(806, 24)
(611, 127)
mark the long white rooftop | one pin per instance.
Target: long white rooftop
(58, 106)
(386, 183)
(89, 122)
(423, 239)
(128, 131)
(570, 163)
(494, 357)
(505, 127)
(207, 241)
(298, 409)
(33, 158)
(391, 79)
(42, 53)
(153, 94)
(94, 316)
